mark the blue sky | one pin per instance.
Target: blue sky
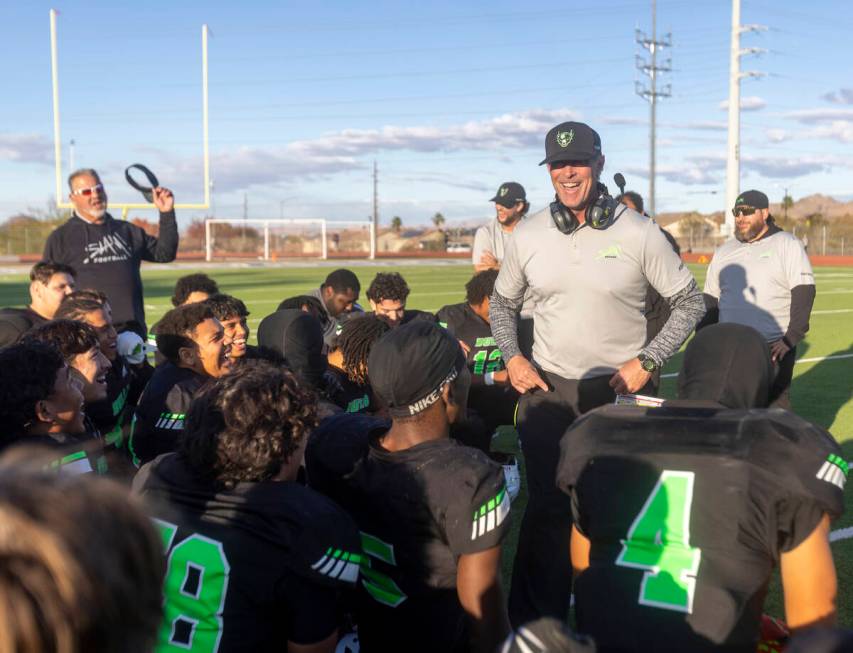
(450, 98)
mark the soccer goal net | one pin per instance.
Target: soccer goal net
(272, 240)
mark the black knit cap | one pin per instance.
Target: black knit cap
(752, 198)
(509, 194)
(409, 365)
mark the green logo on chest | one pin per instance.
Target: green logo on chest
(614, 251)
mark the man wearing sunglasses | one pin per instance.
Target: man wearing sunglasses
(107, 253)
(762, 278)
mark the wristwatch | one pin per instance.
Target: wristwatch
(648, 364)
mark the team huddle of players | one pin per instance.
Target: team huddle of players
(334, 486)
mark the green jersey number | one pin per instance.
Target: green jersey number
(659, 542)
(485, 361)
(380, 586)
(195, 587)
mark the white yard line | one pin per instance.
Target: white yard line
(833, 312)
(841, 534)
(816, 359)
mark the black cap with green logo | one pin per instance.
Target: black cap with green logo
(571, 141)
(752, 198)
(509, 194)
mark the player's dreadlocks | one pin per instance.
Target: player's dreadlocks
(480, 286)
(355, 342)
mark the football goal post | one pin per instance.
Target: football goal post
(279, 239)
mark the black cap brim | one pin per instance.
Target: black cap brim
(505, 202)
(574, 156)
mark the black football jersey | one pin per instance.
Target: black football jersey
(688, 509)
(418, 510)
(495, 404)
(159, 418)
(352, 397)
(112, 416)
(251, 568)
(67, 454)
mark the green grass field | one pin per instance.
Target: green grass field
(822, 390)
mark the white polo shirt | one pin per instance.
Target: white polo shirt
(753, 281)
(588, 289)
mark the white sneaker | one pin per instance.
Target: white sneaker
(512, 477)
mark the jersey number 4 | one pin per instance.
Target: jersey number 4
(195, 587)
(659, 542)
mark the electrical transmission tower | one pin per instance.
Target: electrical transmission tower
(735, 75)
(651, 93)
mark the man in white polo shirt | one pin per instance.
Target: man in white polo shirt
(763, 278)
(586, 261)
(490, 240)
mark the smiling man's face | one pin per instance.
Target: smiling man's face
(575, 181)
(92, 367)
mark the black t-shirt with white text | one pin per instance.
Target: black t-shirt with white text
(107, 257)
(688, 508)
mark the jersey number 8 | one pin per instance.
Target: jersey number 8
(659, 542)
(195, 587)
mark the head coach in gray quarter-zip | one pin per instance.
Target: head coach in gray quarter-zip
(585, 263)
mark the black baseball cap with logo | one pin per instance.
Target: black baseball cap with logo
(509, 194)
(752, 198)
(571, 141)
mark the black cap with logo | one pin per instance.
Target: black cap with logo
(752, 198)
(571, 141)
(509, 194)
(419, 345)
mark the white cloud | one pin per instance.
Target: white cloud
(25, 148)
(777, 135)
(808, 116)
(841, 96)
(706, 169)
(749, 103)
(338, 152)
(623, 120)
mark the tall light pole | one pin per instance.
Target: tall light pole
(651, 68)
(375, 206)
(735, 75)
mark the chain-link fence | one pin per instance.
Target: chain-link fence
(24, 236)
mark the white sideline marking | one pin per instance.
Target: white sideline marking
(816, 359)
(837, 291)
(841, 534)
(832, 312)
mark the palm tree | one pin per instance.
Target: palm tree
(438, 220)
(396, 224)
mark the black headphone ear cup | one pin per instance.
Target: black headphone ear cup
(562, 221)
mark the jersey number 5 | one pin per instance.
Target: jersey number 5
(195, 587)
(380, 586)
(659, 542)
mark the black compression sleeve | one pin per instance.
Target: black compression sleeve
(802, 301)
